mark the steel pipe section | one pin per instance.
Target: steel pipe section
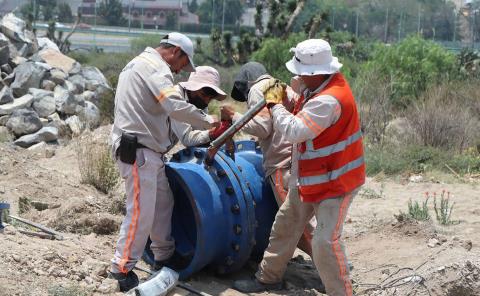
(223, 213)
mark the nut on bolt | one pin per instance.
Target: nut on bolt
(237, 229)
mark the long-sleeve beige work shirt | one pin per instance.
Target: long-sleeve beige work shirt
(146, 101)
(275, 147)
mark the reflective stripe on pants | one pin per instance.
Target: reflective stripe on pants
(327, 247)
(149, 209)
(279, 183)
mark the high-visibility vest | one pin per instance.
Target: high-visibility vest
(332, 164)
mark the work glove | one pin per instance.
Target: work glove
(276, 93)
(216, 132)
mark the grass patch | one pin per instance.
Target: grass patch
(96, 165)
(392, 160)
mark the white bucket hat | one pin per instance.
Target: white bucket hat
(182, 41)
(205, 76)
(313, 57)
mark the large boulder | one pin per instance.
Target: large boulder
(58, 76)
(45, 43)
(62, 127)
(4, 54)
(75, 125)
(15, 29)
(4, 119)
(91, 115)
(57, 59)
(45, 134)
(66, 102)
(6, 95)
(28, 75)
(78, 81)
(22, 39)
(23, 122)
(94, 78)
(20, 103)
(43, 102)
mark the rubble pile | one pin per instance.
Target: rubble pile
(44, 94)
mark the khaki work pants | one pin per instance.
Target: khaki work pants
(279, 183)
(149, 210)
(327, 247)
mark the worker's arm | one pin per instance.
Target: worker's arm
(172, 102)
(261, 125)
(316, 115)
(187, 135)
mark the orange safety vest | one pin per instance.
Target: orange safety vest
(332, 164)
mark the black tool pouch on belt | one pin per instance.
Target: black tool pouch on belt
(128, 148)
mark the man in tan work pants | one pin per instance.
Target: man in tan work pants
(151, 115)
(327, 169)
(277, 151)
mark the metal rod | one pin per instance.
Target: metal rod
(238, 124)
(215, 145)
(57, 235)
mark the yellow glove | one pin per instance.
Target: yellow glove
(276, 93)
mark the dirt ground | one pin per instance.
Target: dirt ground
(389, 257)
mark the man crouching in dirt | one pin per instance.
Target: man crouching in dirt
(147, 109)
(327, 169)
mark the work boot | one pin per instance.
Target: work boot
(126, 281)
(255, 286)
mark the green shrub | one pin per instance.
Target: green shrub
(443, 212)
(413, 65)
(96, 165)
(275, 52)
(137, 45)
(411, 158)
(417, 212)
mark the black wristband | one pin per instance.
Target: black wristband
(270, 105)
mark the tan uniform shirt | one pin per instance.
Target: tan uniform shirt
(146, 102)
(316, 115)
(275, 147)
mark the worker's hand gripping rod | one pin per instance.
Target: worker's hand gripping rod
(218, 142)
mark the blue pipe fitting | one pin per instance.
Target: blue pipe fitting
(3, 206)
(223, 213)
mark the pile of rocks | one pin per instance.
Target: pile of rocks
(44, 95)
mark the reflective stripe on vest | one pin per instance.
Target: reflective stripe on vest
(312, 153)
(332, 175)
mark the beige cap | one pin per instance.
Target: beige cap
(205, 76)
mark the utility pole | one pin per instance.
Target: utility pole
(223, 15)
(333, 18)
(400, 26)
(129, 14)
(34, 12)
(356, 26)
(454, 26)
(386, 27)
(142, 17)
(213, 12)
(95, 27)
(419, 18)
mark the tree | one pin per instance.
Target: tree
(233, 11)
(172, 20)
(193, 6)
(64, 13)
(112, 12)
